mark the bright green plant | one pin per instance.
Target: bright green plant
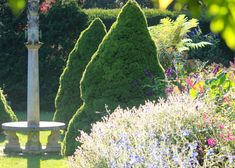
(68, 97)
(6, 113)
(220, 12)
(172, 39)
(117, 73)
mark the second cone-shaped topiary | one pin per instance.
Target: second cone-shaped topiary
(68, 97)
(6, 113)
(117, 74)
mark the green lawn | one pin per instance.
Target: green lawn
(49, 161)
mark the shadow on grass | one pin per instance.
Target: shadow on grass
(2, 137)
(34, 161)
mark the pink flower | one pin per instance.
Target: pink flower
(232, 65)
(206, 118)
(46, 5)
(211, 142)
(222, 135)
(189, 82)
(229, 136)
(221, 126)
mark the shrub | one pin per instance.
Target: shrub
(60, 27)
(113, 3)
(108, 16)
(6, 113)
(218, 52)
(68, 97)
(177, 132)
(116, 74)
(172, 39)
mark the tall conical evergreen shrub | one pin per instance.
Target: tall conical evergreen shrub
(116, 74)
(6, 113)
(68, 97)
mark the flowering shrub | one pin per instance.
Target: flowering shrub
(213, 82)
(46, 5)
(177, 132)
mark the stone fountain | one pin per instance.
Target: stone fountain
(33, 125)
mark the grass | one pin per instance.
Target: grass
(29, 161)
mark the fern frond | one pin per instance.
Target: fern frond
(198, 45)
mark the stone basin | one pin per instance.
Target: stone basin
(33, 144)
(43, 126)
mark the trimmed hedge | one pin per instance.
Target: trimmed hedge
(107, 4)
(116, 74)
(6, 113)
(68, 96)
(108, 16)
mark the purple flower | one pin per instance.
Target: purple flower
(169, 72)
(148, 74)
(231, 159)
(112, 164)
(169, 90)
(195, 76)
(151, 165)
(149, 93)
(186, 133)
(136, 159)
(215, 70)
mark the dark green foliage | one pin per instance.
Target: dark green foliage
(107, 4)
(108, 16)
(218, 52)
(13, 60)
(68, 97)
(6, 113)
(116, 74)
(60, 28)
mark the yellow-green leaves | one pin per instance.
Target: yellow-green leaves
(17, 6)
(223, 20)
(163, 4)
(222, 15)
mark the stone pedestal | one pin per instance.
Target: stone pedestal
(53, 142)
(33, 144)
(12, 144)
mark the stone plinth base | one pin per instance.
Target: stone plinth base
(33, 145)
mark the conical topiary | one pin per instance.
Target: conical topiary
(116, 74)
(68, 97)
(6, 113)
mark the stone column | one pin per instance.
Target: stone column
(33, 144)
(33, 110)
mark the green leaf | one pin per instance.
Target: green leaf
(17, 6)
(193, 93)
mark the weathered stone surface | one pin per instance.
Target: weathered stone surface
(12, 144)
(33, 144)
